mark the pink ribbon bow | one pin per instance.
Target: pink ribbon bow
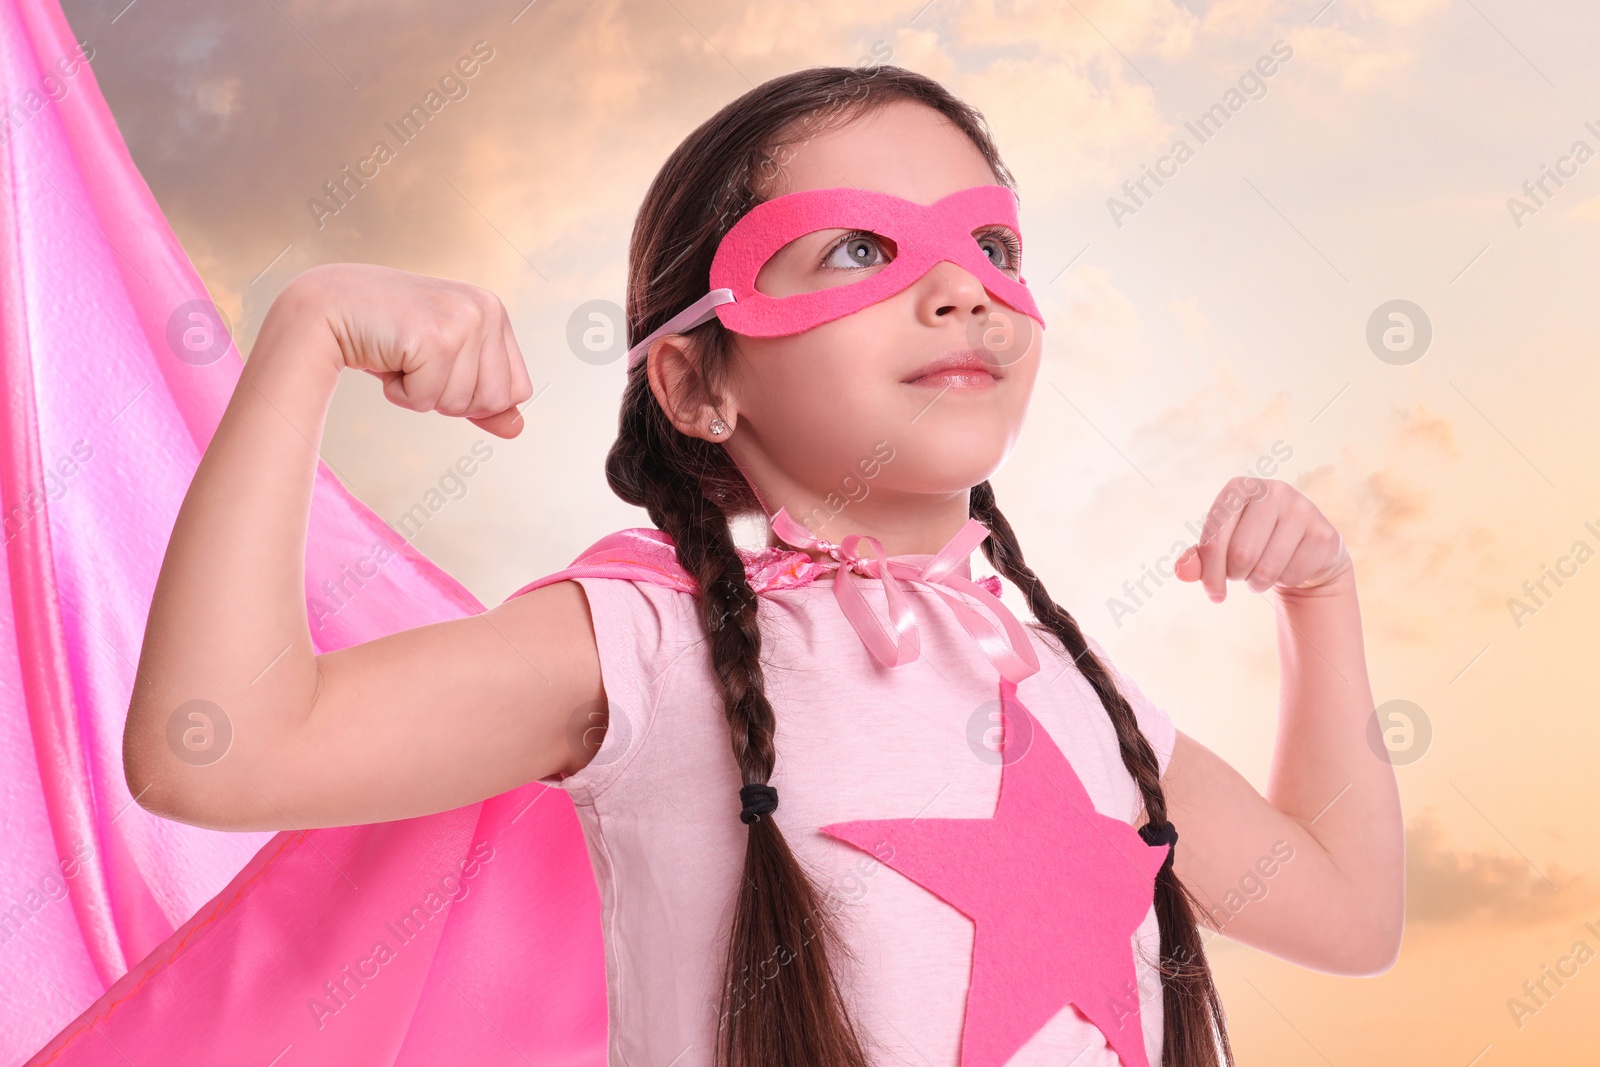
(1009, 649)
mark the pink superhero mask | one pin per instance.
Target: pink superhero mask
(924, 235)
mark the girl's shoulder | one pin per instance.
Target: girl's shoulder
(642, 606)
(642, 601)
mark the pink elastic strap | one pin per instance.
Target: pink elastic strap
(696, 314)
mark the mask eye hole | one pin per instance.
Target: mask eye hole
(823, 259)
(1002, 246)
(859, 250)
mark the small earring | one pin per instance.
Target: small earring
(718, 426)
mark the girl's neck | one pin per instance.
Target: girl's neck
(900, 534)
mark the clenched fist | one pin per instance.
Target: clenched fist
(1268, 534)
(437, 344)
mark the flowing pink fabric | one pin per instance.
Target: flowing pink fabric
(138, 940)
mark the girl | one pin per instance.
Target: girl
(820, 837)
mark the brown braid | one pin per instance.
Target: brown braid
(780, 924)
(1191, 1007)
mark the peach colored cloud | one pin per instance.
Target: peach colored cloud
(1448, 887)
(1404, 535)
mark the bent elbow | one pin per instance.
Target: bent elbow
(152, 781)
(1364, 933)
(1387, 930)
(1388, 960)
(1371, 947)
(1374, 958)
(1386, 943)
(145, 789)
(136, 767)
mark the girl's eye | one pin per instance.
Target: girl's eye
(1001, 240)
(857, 249)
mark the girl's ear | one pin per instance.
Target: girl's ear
(675, 379)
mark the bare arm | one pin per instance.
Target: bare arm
(419, 721)
(1313, 871)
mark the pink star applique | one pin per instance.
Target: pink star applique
(1054, 889)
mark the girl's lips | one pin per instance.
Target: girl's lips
(957, 378)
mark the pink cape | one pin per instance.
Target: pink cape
(133, 939)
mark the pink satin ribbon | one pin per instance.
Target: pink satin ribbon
(897, 643)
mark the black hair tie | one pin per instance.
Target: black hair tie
(1161, 834)
(758, 800)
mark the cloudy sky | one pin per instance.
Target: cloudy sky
(1401, 151)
